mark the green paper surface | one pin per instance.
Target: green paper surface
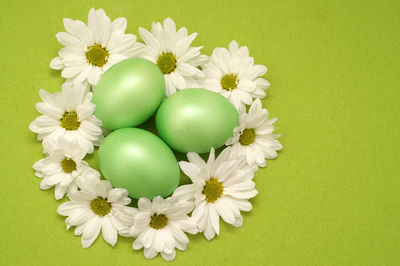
(333, 195)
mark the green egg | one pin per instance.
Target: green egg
(196, 120)
(140, 162)
(128, 93)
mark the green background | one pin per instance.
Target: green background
(332, 196)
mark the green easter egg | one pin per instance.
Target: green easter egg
(140, 162)
(128, 93)
(196, 120)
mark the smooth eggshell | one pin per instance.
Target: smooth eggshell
(128, 93)
(140, 162)
(194, 120)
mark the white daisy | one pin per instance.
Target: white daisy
(253, 137)
(160, 225)
(70, 114)
(221, 188)
(63, 167)
(97, 206)
(171, 51)
(233, 74)
(90, 50)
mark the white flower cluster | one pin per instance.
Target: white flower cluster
(68, 129)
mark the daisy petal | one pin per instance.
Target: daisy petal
(67, 39)
(150, 253)
(168, 256)
(214, 219)
(57, 63)
(92, 230)
(109, 232)
(225, 212)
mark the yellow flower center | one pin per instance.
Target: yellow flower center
(158, 221)
(70, 121)
(229, 82)
(100, 206)
(213, 190)
(68, 165)
(166, 62)
(247, 137)
(97, 55)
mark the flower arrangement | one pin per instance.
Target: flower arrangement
(221, 186)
